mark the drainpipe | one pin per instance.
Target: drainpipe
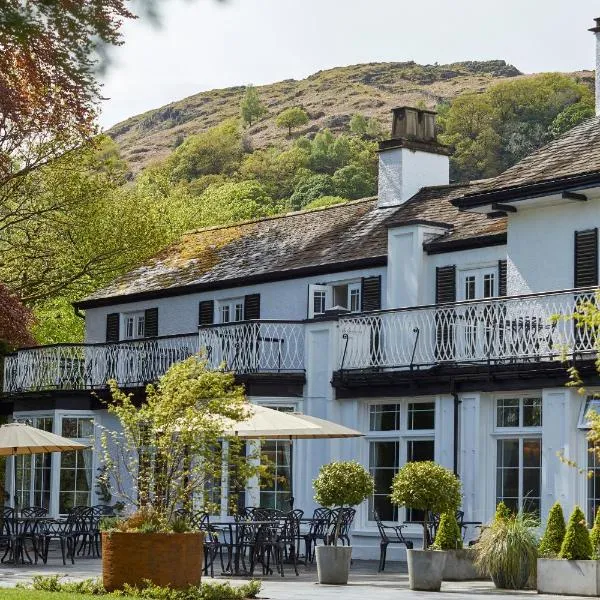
(456, 417)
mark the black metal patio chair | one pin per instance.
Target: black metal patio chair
(317, 531)
(389, 534)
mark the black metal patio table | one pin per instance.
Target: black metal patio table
(16, 530)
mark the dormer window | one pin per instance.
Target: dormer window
(231, 310)
(134, 325)
(325, 296)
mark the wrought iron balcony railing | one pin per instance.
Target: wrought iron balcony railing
(255, 346)
(514, 329)
(246, 347)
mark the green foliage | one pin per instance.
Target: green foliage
(354, 182)
(93, 587)
(595, 536)
(216, 151)
(184, 415)
(342, 483)
(291, 118)
(507, 551)
(503, 513)
(251, 106)
(325, 201)
(316, 186)
(493, 130)
(576, 544)
(366, 127)
(554, 534)
(448, 536)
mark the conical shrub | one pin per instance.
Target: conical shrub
(577, 544)
(503, 513)
(448, 536)
(595, 536)
(554, 535)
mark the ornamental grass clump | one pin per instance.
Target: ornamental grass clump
(577, 544)
(342, 484)
(426, 486)
(448, 536)
(507, 550)
(554, 534)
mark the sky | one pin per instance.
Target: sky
(206, 44)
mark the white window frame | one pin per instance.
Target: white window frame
(138, 322)
(233, 305)
(519, 433)
(403, 435)
(352, 285)
(479, 273)
(592, 401)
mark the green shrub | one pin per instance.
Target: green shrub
(595, 536)
(507, 551)
(577, 544)
(53, 583)
(448, 536)
(426, 486)
(503, 513)
(555, 532)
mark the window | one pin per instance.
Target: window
(76, 484)
(231, 310)
(519, 412)
(519, 457)
(591, 403)
(478, 283)
(134, 325)
(593, 499)
(399, 432)
(319, 299)
(323, 297)
(276, 489)
(33, 471)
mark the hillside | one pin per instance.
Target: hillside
(330, 97)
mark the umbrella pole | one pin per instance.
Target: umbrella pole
(13, 491)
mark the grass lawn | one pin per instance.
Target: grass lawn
(14, 594)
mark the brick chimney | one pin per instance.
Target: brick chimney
(412, 158)
(596, 31)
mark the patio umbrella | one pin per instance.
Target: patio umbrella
(267, 423)
(18, 438)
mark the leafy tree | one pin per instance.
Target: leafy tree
(426, 486)
(448, 536)
(217, 151)
(554, 535)
(15, 322)
(366, 127)
(342, 484)
(185, 415)
(329, 152)
(292, 118)
(325, 201)
(577, 544)
(234, 201)
(491, 131)
(315, 186)
(354, 182)
(251, 106)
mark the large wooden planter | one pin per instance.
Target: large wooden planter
(173, 559)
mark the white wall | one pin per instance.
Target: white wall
(541, 245)
(179, 314)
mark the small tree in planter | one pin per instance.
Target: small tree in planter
(166, 452)
(554, 535)
(595, 536)
(448, 536)
(431, 488)
(339, 484)
(577, 544)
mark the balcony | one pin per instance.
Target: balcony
(246, 348)
(518, 329)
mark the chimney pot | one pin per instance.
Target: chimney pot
(413, 124)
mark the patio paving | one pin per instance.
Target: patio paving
(365, 582)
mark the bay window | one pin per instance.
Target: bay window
(399, 432)
(519, 453)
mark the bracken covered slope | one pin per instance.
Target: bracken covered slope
(330, 97)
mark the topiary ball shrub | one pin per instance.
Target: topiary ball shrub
(577, 544)
(595, 536)
(448, 536)
(554, 534)
(342, 484)
(426, 486)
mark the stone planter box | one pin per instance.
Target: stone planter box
(425, 569)
(333, 564)
(173, 559)
(568, 577)
(460, 566)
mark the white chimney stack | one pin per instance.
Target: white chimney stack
(412, 158)
(596, 31)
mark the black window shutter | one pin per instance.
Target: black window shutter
(371, 293)
(206, 312)
(151, 322)
(445, 284)
(251, 307)
(502, 278)
(586, 258)
(112, 327)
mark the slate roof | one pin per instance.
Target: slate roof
(331, 239)
(574, 154)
